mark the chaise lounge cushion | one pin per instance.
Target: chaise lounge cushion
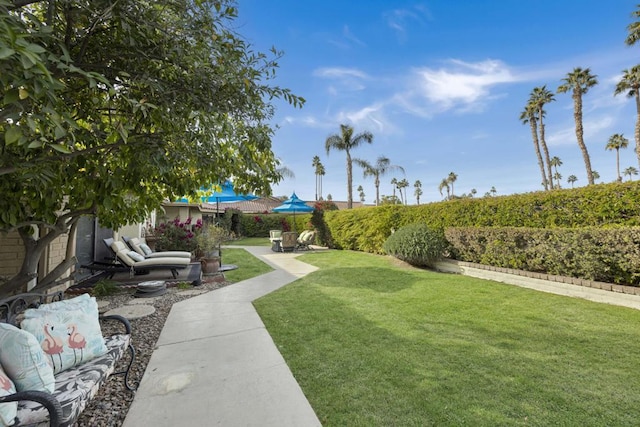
(135, 244)
(122, 252)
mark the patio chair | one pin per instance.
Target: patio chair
(306, 238)
(136, 263)
(275, 237)
(289, 241)
(136, 244)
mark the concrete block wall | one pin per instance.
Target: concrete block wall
(11, 254)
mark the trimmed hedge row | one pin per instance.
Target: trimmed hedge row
(602, 205)
(606, 255)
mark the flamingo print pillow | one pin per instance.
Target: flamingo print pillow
(24, 361)
(67, 337)
(9, 410)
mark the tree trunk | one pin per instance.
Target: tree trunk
(637, 130)
(577, 98)
(377, 182)
(536, 147)
(349, 181)
(545, 149)
(618, 164)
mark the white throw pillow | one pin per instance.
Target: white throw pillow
(135, 256)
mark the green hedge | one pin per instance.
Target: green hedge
(416, 244)
(258, 225)
(608, 255)
(602, 205)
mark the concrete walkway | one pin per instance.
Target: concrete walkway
(216, 365)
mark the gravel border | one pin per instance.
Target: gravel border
(110, 405)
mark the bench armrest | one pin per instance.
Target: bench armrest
(118, 318)
(45, 399)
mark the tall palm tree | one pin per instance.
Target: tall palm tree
(630, 83)
(451, 178)
(321, 172)
(346, 141)
(394, 182)
(418, 190)
(556, 162)
(596, 175)
(402, 185)
(316, 165)
(634, 29)
(530, 115)
(631, 171)
(539, 97)
(361, 193)
(579, 81)
(616, 142)
(444, 184)
(572, 179)
(381, 167)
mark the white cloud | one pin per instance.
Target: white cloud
(367, 117)
(400, 19)
(339, 72)
(592, 128)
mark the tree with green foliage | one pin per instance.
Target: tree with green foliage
(630, 83)
(556, 163)
(530, 115)
(319, 171)
(630, 171)
(417, 190)
(445, 184)
(579, 81)
(451, 178)
(538, 98)
(380, 168)
(616, 142)
(361, 193)
(402, 187)
(347, 141)
(572, 179)
(109, 108)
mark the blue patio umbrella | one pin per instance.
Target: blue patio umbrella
(226, 194)
(293, 205)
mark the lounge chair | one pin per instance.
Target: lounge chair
(306, 238)
(289, 241)
(136, 263)
(136, 245)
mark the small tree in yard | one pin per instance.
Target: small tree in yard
(109, 108)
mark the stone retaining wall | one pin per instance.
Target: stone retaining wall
(463, 267)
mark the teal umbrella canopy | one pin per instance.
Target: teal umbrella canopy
(226, 194)
(293, 205)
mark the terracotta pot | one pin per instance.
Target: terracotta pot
(210, 265)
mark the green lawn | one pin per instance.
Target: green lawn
(250, 241)
(249, 266)
(374, 344)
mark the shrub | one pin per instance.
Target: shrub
(177, 235)
(417, 244)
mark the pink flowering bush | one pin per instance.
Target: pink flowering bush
(177, 235)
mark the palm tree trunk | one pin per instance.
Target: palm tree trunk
(618, 164)
(637, 130)
(543, 142)
(577, 104)
(377, 183)
(349, 181)
(536, 147)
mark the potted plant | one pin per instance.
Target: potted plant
(208, 247)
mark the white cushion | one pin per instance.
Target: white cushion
(146, 249)
(135, 256)
(24, 361)
(8, 410)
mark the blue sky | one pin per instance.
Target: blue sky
(441, 85)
